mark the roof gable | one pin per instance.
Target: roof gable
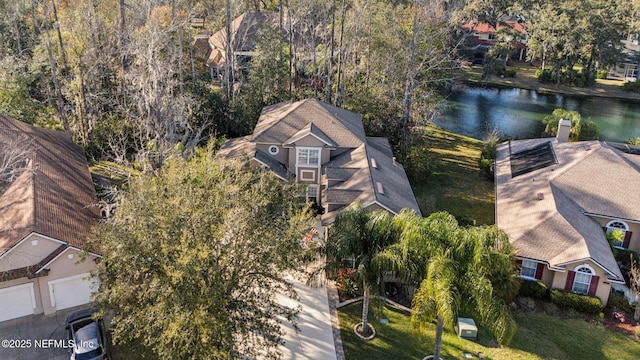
(281, 122)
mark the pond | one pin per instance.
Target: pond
(518, 113)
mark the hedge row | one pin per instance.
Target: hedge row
(533, 289)
(582, 303)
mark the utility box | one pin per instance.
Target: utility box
(466, 328)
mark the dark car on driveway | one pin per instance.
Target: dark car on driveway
(88, 335)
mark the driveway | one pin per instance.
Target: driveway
(315, 340)
(35, 337)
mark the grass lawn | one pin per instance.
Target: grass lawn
(455, 185)
(539, 336)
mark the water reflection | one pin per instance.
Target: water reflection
(518, 113)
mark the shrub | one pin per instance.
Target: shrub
(345, 284)
(533, 289)
(545, 76)
(631, 86)
(510, 73)
(602, 74)
(487, 156)
(582, 303)
(617, 301)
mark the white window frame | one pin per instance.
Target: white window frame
(527, 264)
(308, 151)
(583, 276)
(311, 189)
(620, 225)
(303, 172)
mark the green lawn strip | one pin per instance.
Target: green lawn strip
(454, 184)
(539, 336)
(526, 79)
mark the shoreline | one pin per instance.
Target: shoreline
(529, 82)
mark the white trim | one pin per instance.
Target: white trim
(593, 272)
(31, 234)
(319, 149)
(626, 227)
(302, 178)
(61, 280)
(382, 206)
(31, 291)
(612, 217)
(273, 153)
(307, 134)
(587, 259)
(64, 251)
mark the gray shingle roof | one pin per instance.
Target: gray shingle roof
(544, 212)
(279, 122)
(55, 196)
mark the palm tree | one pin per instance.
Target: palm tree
(460, 263)
(363, 235)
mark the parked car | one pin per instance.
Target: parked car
(88, 335)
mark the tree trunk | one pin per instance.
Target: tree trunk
(228, 54)
(439, 331)
(365, 308)
(62, 52)
(407, 101)
(636, 314)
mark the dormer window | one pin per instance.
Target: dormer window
(308, 156)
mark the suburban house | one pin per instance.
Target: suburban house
(242, 40)
(46, 212)
(483, 36)
(627, 68)
(556, 200)
(326, 148)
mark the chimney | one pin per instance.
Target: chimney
(564, 128)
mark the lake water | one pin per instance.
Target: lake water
(518, 113)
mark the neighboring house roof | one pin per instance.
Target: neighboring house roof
(282, 122)
(54, 196)
(546, 211)
(244, 31)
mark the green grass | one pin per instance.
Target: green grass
(539, 337)
(525, 79)
(454, 184)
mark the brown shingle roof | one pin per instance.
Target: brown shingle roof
(55, 196)
(244, 31)
(544, 212)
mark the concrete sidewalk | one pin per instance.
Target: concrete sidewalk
(315, 339)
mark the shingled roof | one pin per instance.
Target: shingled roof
(54, 196)
(280, 122)
(546, 211)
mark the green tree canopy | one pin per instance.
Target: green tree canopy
(194, 258)
(462, 270)
(579, 131)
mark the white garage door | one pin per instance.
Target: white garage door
(72, 291)
(17, 301)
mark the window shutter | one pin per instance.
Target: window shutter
(539, 270)
(627, 239)
(569, 284)
(593, 286)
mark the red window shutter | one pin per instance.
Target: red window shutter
(593, 286)
(539, 270)
(570, 276)
(627, 239)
